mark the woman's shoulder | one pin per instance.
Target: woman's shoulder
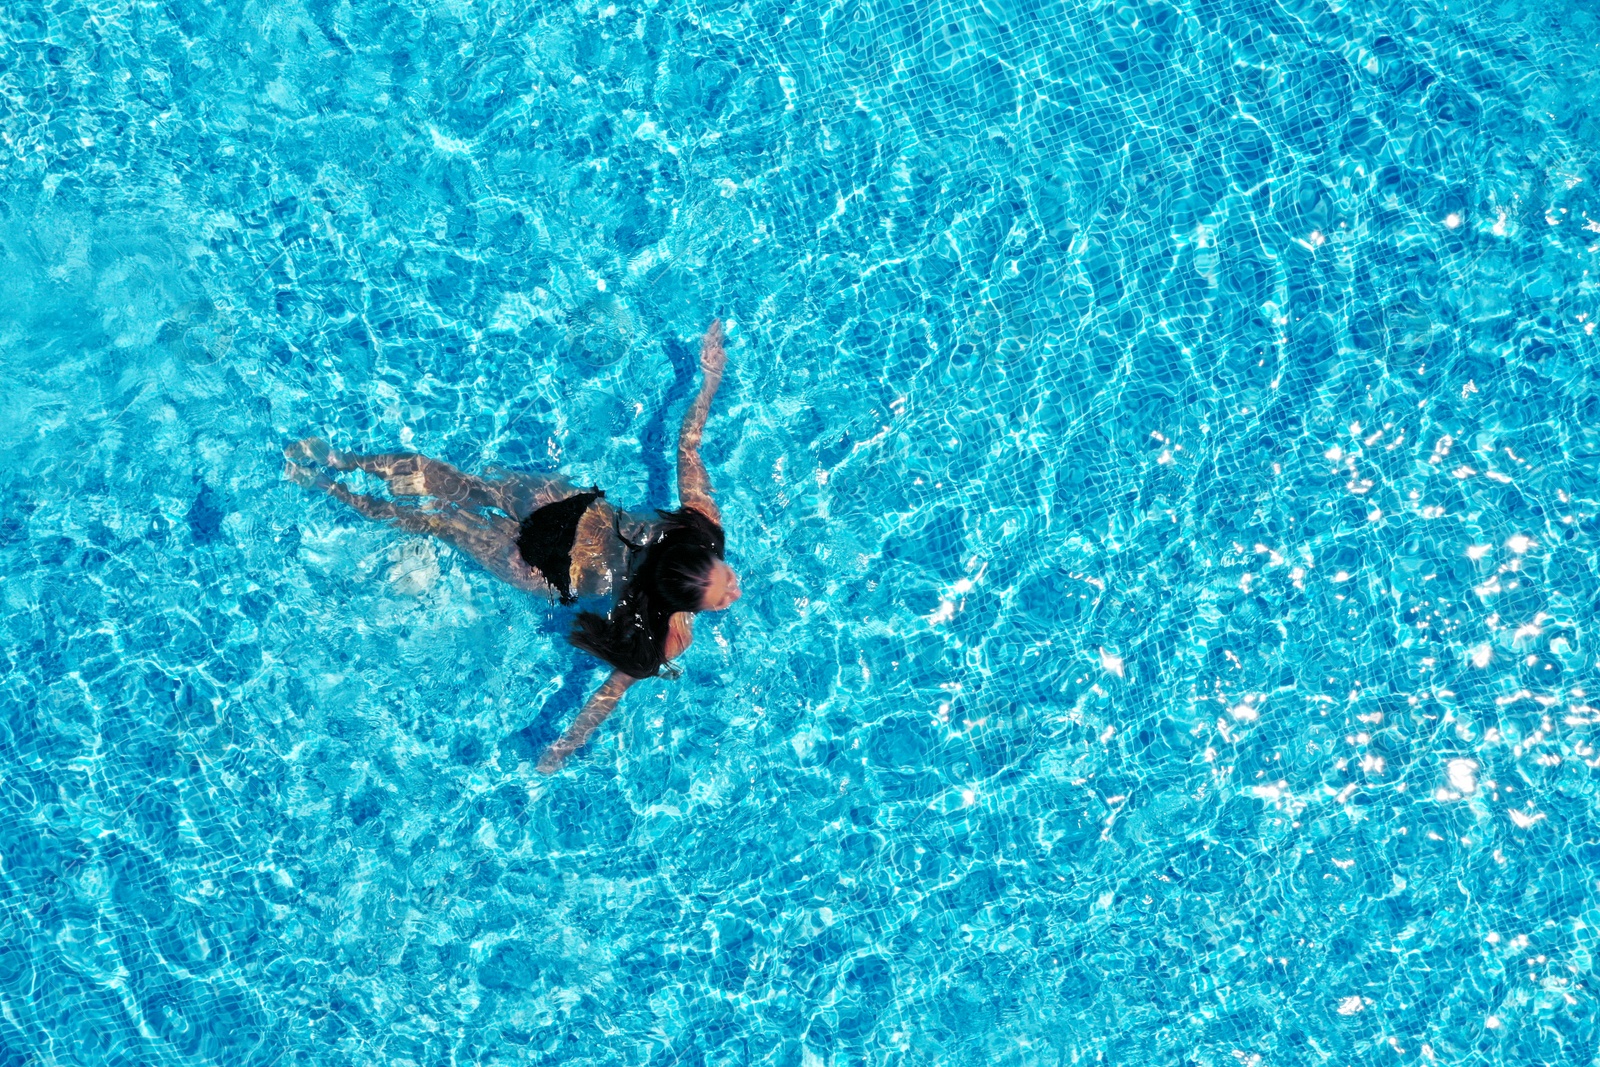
(636, 528)
(703, 508)
(640, 530)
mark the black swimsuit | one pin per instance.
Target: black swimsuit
(546, 538)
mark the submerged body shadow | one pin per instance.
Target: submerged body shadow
(658, 457)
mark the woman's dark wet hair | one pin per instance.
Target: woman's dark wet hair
(670, 577)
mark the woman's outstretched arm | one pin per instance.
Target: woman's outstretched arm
(593, 714)
(680, 633)
(694, 486)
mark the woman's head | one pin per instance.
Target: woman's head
(691, 577)
(682, 571)
(721, 588)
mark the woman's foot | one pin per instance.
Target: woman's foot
(315, 451)
(306, 477)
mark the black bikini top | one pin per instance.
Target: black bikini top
(546, 537)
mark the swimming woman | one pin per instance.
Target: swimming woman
(542, 534)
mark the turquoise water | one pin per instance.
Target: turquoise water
(1160, 445)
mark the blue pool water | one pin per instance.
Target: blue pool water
(1161, 443)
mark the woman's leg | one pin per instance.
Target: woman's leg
(523, 494)
(410, 474)
(461, 509)
(491, 540)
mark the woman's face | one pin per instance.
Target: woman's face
(722, 588)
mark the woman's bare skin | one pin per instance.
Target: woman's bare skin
(482, 517)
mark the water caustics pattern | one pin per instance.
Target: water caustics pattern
(1160, 444)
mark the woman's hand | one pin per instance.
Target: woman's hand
(593, 714)
(712, 357)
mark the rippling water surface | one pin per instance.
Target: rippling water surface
(1160, 442)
